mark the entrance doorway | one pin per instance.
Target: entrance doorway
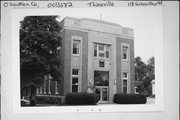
(102, 92)
(101, 81)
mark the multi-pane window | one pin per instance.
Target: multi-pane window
(101, 50)
(125, 78)
(75, 80)
(125, 52)
(76, 47)
(75, 72)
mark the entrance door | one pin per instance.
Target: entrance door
(101, 81)
(102, 92)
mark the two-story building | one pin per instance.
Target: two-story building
(94, 54)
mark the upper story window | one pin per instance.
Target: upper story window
(101, 50)
(76, 47)
(125, 52)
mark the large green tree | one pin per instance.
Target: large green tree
(39, 51)
(144, 74)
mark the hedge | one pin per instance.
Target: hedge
(129, 99)
(81, 98)
(49, 99)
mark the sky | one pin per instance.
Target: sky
(146, 22)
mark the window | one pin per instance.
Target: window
(101, 78)
(76, 47)
(107, 51)
(56, 87)
(75, 72)
(125, 52)
(101, 63)
(37, 90)
(125, 86)
(125, 78)
(75, 80)
(101, 50)
(45, 79)
(49, 84)
(75, 84)
(95, 50)
(40, 90)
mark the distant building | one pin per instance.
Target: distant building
(97, 56)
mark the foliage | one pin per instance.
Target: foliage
(49, 99)
(39, 51)
(39, 48)
(144, 74)
(129, 99)
(81, 98)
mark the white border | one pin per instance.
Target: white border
(159, 103)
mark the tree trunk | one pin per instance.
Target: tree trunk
(33, 96)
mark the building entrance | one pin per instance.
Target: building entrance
(101, 82)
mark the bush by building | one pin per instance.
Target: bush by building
(81, 98)
(49, 99)
(129, 99)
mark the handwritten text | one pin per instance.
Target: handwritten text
(97, 4)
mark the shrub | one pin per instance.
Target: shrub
(81, 98)
(49, 99)
(129, 99)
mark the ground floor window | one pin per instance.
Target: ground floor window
(75, 80)
(124, 80)
(56, 87)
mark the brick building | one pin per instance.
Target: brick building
(97, 56)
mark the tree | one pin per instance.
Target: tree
(140, 69)
(39, 51)
(144, 74)
(150, 75)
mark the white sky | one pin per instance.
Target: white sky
(146, 22)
